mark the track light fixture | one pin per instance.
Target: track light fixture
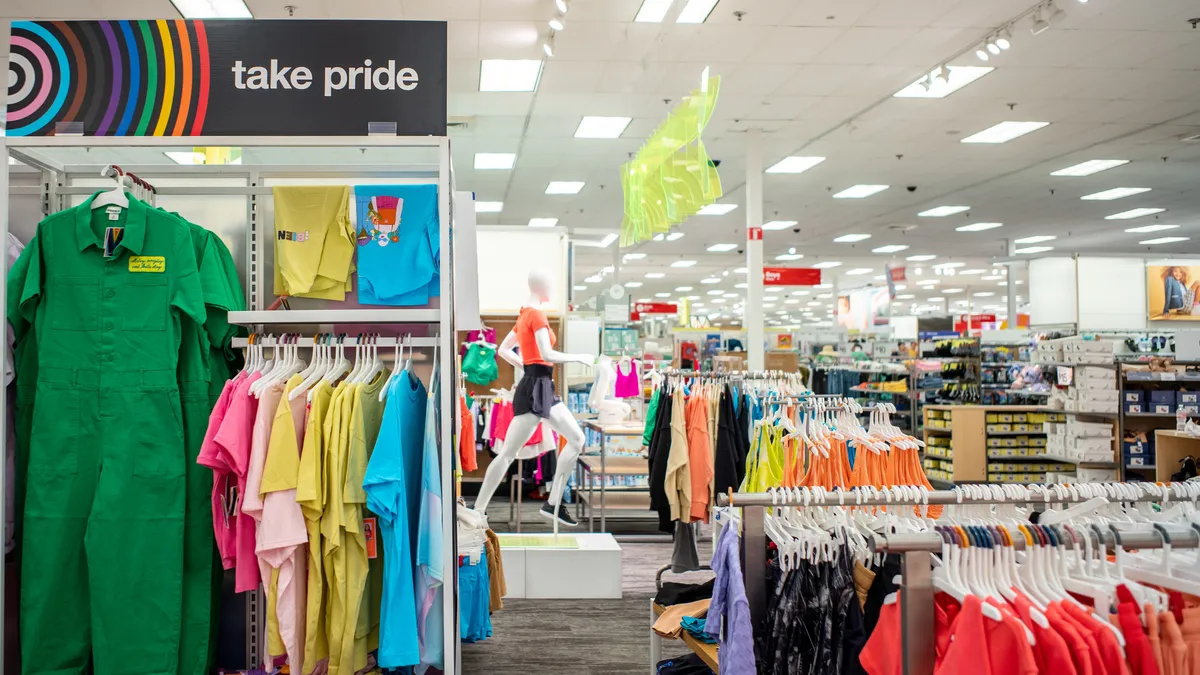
(1003, 41)
(993, 47)
(939, 77)
(548, 46)
(1039, 24)
(558, 22)
(1056, 12)
(562, 5)
(982, 54)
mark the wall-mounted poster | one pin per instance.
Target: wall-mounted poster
(783, 341)
(1173, 292)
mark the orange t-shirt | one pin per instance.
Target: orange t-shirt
(529, 322)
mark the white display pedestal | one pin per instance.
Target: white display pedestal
(581, 566)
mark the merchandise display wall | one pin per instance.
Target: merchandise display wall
(236, 206)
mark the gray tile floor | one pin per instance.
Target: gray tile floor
(578, 637)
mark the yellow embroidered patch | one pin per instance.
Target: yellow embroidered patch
(147, 263)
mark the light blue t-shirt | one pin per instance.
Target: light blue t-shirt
(392, 484)
(430, 562)
(398, 236)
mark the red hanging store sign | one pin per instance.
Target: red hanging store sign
(640, 308)
(791, 276)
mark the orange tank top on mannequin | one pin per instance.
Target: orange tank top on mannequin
(530, 320)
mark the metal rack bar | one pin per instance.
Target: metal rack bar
(272, 341)
(332, 316)
(887, 497)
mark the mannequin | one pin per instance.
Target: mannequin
(534, 400)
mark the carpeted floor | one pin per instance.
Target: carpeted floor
(581, 637)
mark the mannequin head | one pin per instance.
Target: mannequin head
(541, 286)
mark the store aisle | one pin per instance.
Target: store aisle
(581, 637)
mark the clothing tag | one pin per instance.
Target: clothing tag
(147, 263)
(369, 534)
(112, 237)
(112, 209)
(229, 502)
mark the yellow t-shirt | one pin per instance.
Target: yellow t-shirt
(310, 494)
(337, 431)
(314, 241)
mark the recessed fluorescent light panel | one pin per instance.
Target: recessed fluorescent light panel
(601, 127)
(634, 256)
(1133, 213)
(851, 238)
(601, 243)
(779, 224)
(632, 284)
(1090, 167)
(683, 263)
(716, 209)
(959, 77)
(543, 222)
(890, 248)
(721, 248)
(859, 191)
(1146, 229)
(509, 74)
(1030, 250)
(696, 11)
(1034, 240)
(920, 258)
(212, 9)
(675, 236)
(1163, 240)
(978, 227)
(789, 256)
(494, 160)
(489, 207)
(1115, 193)
(564, 187)
(653, 11)
(1004, 132)
(795, 164)
(858, 271)
(943, 211)
(655, 275)
(828, 264)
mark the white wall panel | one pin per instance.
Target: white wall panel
(1112, 293)
(1052, 291)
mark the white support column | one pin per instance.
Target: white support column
(752, 315)
(1012, 288)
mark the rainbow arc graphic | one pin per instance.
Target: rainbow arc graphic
(117, 78)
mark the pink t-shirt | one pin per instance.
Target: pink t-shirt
(233, 440)
(282, 534)
(210, 456)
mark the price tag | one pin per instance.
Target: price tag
(1167, 377)
(371, 535)
(1066, 376)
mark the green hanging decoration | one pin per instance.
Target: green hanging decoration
(671, 177)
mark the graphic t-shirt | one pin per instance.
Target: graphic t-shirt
(314, 241)
(397, 236)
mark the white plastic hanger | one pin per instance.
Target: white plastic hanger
(115, 196)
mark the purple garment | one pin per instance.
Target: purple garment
(487, 335)
(731, 609)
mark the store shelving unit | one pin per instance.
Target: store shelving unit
(971, 443)
(1164, 459)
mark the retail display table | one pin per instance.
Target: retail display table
(1170, 447)
(630, 503)
(571, 566)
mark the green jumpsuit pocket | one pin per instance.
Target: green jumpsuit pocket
(54, 446)
(156, 444)
(145, 305)
(74, 303)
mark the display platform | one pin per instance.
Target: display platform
(571, 566)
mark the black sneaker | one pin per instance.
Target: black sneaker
(563, 515)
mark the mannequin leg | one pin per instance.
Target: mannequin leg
(562, 421)
(519, 432)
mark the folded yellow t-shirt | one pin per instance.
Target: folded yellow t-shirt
(314, 241)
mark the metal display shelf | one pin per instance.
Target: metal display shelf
(334, 316)
(348, 341)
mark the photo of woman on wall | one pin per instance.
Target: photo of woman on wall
(1176, 289)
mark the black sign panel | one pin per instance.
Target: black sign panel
(234, 78)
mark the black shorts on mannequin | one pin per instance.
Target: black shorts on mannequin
(535, 392)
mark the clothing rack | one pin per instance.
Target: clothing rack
(916, 550)
(338, 339)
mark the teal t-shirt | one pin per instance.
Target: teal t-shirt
(398, 241)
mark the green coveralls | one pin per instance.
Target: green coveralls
(104, 501)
